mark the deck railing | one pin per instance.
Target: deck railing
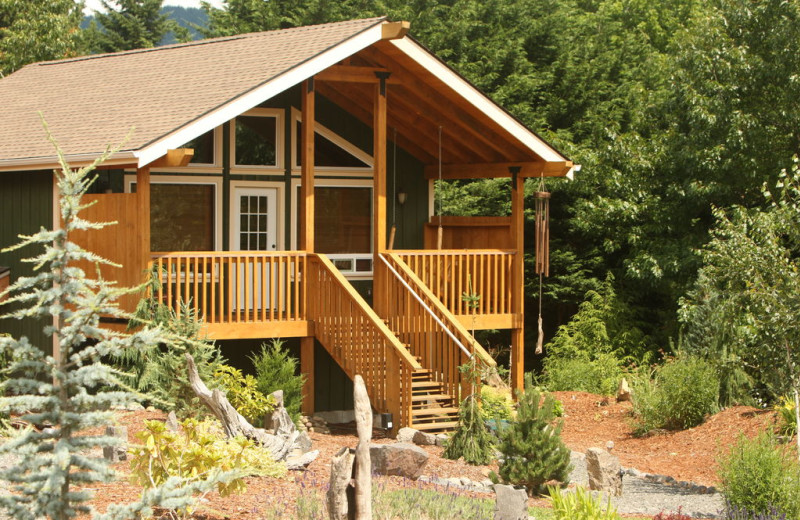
(433, 334)
(359, 340)
(236, 286)
(451, 273)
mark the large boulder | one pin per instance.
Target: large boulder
(511, 503)
(424, 439)
(605, 473)
(401, 459)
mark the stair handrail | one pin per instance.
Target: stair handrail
(479, 350)
(404, 354)
(427, 309)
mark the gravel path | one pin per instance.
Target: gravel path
(647, 498)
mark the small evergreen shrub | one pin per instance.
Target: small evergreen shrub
(276, 369)
(580, 505)
(758, 475)
(678, 396)
(243, 394)
(197, 450)
(533, 452)
(472, 439)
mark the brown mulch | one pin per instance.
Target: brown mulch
(589, 421)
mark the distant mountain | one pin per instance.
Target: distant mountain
(188, 17)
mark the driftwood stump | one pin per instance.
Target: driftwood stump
(350, 490)
(363, 463)
(279, 444)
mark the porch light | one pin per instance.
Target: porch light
(402, 196)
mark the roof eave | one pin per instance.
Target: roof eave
(121, 159)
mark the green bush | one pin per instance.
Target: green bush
(242, 392)
(579, 372)
(758, 475)
(277, 370)
(580, 505)
(472, 439)
(787, 422)
(679, 395)
(496, 404)
(196, 451)
(533, 452)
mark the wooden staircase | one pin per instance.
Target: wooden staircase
(432, 409)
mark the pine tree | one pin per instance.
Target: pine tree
(71, 390)
(134, 24)
(533, 452)
(472, 439)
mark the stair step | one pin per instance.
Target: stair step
(444, 426)
(431, 397)
(434, 411)
(426, 384)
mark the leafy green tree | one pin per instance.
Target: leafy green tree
(72, 389)
(31, 30)
(131, 24)
(744, 306)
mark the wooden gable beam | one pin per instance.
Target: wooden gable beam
(353, 74)
(174, 158)
(394, 30)
(497, 170)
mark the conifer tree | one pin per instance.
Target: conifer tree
(533, 452)
(71, 390)
(131, 24)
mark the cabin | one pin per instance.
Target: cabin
(281, 184)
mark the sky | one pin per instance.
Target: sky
(94, 5)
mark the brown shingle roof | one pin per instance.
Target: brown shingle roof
(93, 101)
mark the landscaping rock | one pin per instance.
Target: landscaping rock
(623, 391)
(172, 422)
(406, 434)
(424, 439)
(116, 452)
(441, 439)
(401, 459)
(511, 503)
(604, 471)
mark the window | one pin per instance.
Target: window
(326, 152)
(203, 148)
(257, 141)
(182, 216)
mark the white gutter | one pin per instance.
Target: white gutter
(75, 160)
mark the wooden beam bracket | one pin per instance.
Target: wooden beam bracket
(394, 30)
(174, 158)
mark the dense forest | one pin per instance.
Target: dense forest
(679, 233)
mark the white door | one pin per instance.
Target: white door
(255, 226)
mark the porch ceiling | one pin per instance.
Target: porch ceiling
(419, 103)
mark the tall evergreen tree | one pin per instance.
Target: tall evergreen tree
(72, 389)
(32, 30)
(131, 24)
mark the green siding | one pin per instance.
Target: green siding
(333, 390)
(26, 205)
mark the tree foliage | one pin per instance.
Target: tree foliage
(33, 31)
(131, 24)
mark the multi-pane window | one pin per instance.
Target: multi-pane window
(254, 216)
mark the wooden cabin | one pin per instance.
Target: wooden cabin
(282, 185)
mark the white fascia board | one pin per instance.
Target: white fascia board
(475, 97)
(75, 161)
(253, 98)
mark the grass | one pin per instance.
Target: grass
(412, 501)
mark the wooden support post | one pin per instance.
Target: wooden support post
(307, 173)
(307, 369)
(143, 202)
(379, 195)
(363, 469)
(518, 279)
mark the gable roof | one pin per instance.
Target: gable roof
(170, 95)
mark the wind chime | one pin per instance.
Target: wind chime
(542, 242)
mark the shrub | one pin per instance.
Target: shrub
(787, 424)
(496, 404)
(735, 513)
(758, 476)
(242, 392)
(277, 370)
(677, 515)
(533, 452)
(678, 396)
(580, 372)
(472, 439)
(580, 505)
(199, 449)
